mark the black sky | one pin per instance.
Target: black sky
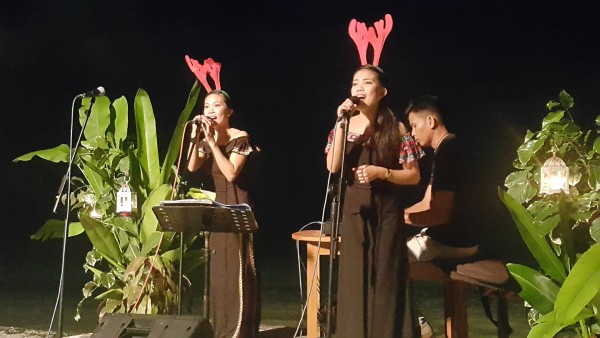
(288, 65)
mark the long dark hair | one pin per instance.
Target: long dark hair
(387, 134)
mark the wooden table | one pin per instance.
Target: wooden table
(313, 272)
(455, 302)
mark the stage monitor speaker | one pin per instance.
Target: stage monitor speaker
(120, 325)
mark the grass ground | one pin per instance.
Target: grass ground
(28, 293)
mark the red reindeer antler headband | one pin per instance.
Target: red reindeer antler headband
(364, 36)
(209, 67)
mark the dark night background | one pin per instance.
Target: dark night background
(287, 65)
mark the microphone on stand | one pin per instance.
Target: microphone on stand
(345, 113)
(94, 93)
(198, 118)
(198, 122)
(199, 131)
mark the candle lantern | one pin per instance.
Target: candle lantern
(554, 176)
(126, 199)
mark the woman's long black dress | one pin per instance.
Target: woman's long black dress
(234, 295)
(373, 296)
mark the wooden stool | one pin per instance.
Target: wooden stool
(455, 296)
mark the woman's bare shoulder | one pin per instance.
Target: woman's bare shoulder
(236, 133)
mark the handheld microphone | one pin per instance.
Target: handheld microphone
(94, 93)
(355, 100)
(198, 122)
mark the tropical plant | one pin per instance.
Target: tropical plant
(562, 231)
(133, 263)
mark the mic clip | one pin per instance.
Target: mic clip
(346, 115)
(93, 93)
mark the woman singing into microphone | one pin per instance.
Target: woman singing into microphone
(223, 151)
(380, 156)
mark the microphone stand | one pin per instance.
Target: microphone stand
(335, 223)
(205, 235)
(67, 181)
(67, 175)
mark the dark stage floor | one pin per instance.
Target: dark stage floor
(28, 290)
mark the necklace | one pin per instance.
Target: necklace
(440, 141)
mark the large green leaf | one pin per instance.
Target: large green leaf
(95, 177)
(593, 170)
(98, 121)
(54, 228)
(528, 149)
(595, 230)
(596, 146)
(547, 225)
(56, 154)
(548, 326)
(519, 186)
(552, 104)
(538, 246)
(136, 176)
(566, 100)
(151, 243)
(75, 228)
(580, 287)
(175, 144)
(126, 224)
(565, 229)
(545, 329)
(95, 271)
(537, 289)
(541, 209)
(121, 119)
(102, 239)
(147, 140)
(116, 294)
(149, 220)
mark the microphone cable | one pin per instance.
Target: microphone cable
(301, 266)
(58, 306)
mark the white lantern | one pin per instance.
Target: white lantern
(126, 200)
(554, 176)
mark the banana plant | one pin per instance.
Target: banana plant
(562, 231)
(132, 263)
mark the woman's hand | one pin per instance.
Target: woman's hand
(367, 173)
(207, 125)
(196, 121)
(346, 107)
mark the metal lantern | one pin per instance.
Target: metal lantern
(555, 176)
(126, 200)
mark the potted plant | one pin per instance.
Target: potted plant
(561, 230)
(132, 263)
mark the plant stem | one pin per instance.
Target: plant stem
(584, 329)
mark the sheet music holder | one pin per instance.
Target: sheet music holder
(191, 215)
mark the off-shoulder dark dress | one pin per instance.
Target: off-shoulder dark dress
(234, 295)
(372, 295)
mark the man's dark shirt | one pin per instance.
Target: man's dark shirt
(449, 174)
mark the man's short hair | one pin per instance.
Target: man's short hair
(426, 102)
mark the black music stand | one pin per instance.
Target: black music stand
(189, 216)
